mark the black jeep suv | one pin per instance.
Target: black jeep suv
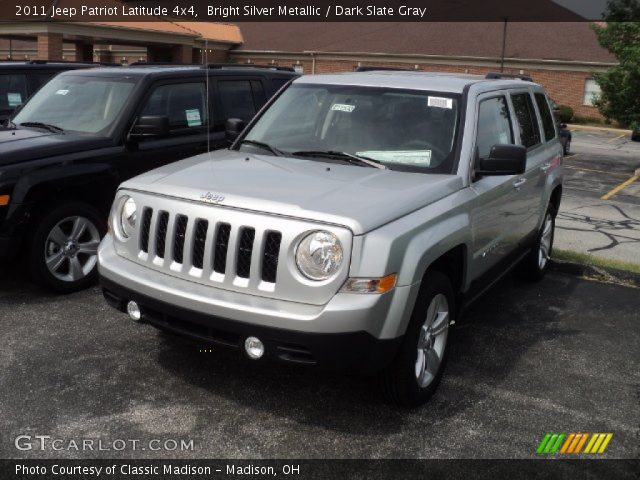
(65, 151)
(19, 80)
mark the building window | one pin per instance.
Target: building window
(591, 92)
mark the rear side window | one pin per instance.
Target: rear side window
(237, 99)
(183, 103)
(494, 127)
(527, 120)
(13, 91)
(547, 118)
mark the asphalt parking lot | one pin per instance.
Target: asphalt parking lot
(600, 162)
(562, 355)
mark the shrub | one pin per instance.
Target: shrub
(565, 113)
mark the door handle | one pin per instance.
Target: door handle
(518, 183)
(545, 167)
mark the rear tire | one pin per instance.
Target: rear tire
(534, 266)
(63, 248)
(417, 369)
(566, 149)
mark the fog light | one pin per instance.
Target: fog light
(254, 347)
(133, 309)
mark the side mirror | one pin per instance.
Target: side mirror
(504, 160)
(150, 126)
(233, 128)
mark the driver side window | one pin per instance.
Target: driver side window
(494, 126)
(183, 103)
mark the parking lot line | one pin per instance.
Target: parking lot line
(616, 138)
(596, 171)
(620, 187)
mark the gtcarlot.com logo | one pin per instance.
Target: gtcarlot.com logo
(47, 442)
(574, 443)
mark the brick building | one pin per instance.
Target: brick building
(118, 42)
(561, 56)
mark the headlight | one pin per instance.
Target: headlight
(128, 216)
(319, 255)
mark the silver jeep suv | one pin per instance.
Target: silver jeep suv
(349, 224)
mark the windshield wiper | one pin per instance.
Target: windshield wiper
(349, 157)
(264, 146)
(46, 126)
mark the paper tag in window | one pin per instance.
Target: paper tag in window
(193, 117)
(440, 102)
(14, 99)
(62, 92)
(503, 138)
(342, 107)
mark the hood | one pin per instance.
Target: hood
(23, 144)
(360, 198)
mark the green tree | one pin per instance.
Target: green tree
(620, 85)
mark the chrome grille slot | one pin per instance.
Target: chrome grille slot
(145, 226)
(179, 237)
(270, 256)
(221, 247)
(245, 249)
(200, 237)
(161, 234)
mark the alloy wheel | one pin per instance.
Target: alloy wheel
(71, 248)
(432, 340)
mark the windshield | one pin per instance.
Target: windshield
(404, 130)
(77, 103)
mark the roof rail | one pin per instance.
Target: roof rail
(248, 65)
(70, 62)
(143, 63)
(498, 76)
(392, 69)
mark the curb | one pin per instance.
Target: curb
(609, 275)
(576, 126)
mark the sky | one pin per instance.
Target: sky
(590, 9)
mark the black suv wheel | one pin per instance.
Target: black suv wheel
(64, 246)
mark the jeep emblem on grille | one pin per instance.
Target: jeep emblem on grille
(212, 197)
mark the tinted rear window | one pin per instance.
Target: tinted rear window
(547, 118)
(527, 120)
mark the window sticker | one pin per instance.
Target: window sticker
(62, 92)
(14, 99)
(193, 117)
(440, 102)
(402, 157)
(504, 138)
(343, 107)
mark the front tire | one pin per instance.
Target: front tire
(414, 375)
(64, 247)
(534, 266)
(566, 150)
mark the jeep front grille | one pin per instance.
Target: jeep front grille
(195, 233)
(229, 249)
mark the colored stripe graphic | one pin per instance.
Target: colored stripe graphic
(582, 441)
(573, 443)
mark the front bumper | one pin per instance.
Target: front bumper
(346, 333)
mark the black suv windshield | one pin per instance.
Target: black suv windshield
(403, 129)
(77, 103)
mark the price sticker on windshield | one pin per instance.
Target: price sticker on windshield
(14, 99)
(342, 107)
(440, 102)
